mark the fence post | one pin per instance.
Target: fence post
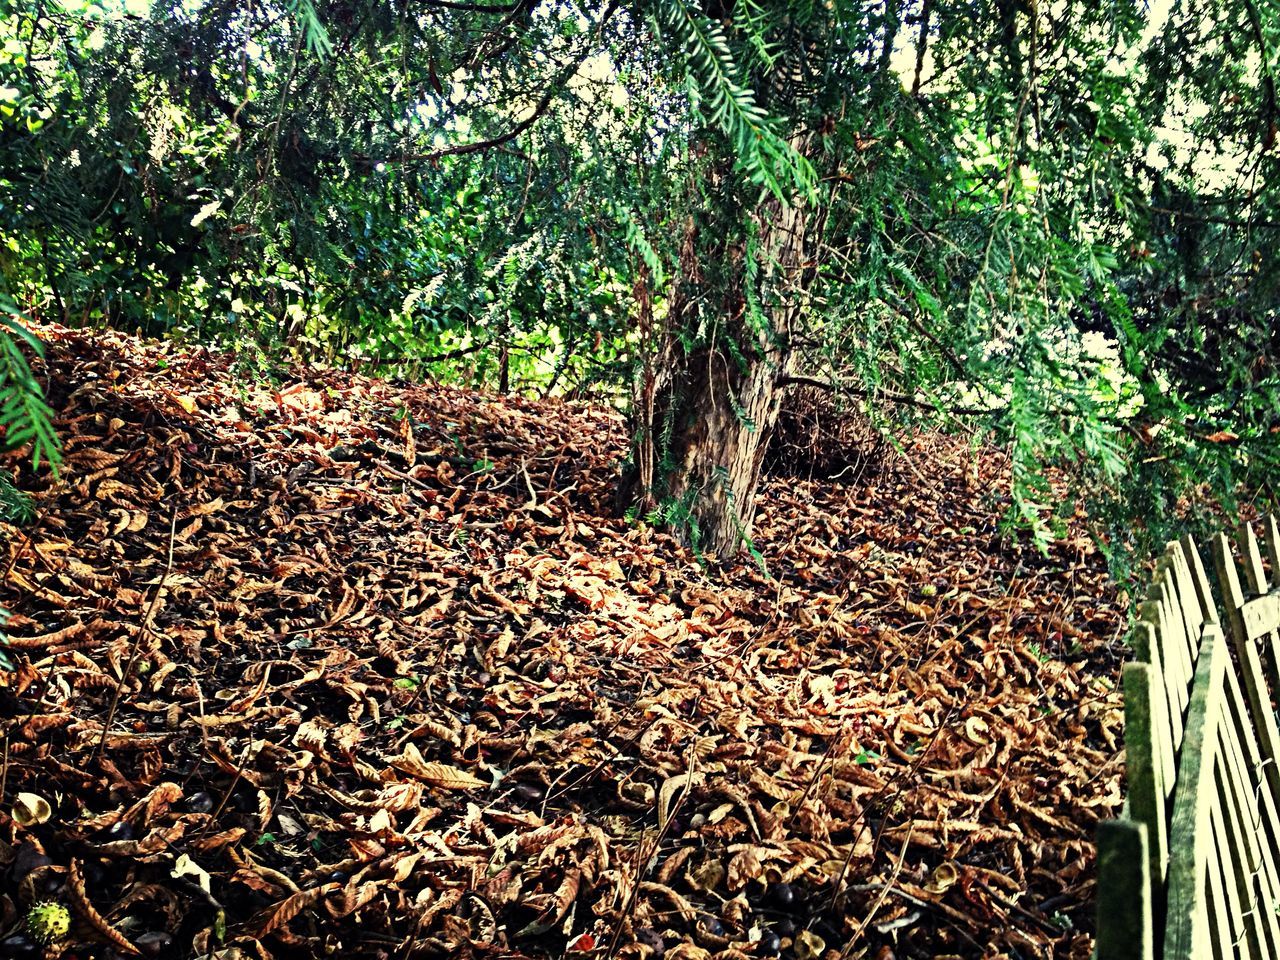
(1191, 843)
(1124, 892)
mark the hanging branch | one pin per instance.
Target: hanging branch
(540, 108)
(900, 398)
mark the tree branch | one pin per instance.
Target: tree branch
(901, 398)
(922, 46)
(435, 358)
(539, 109)
(1269, 81)
(1221, 221)
(479, 146)
(478, 7)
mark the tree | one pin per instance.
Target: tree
(991, 194)
(967, 210)
(862, 168)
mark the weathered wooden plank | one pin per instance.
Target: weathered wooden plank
(1147, 761)
(1261, 615)
(1176, 666)
(1182, 632)
(1200, 580)
(1219, 936)
(1188, 601)
(1187, 935)
(1252, 677)
(1255, 573)
(1143, 642)
(1233, 860)
(1124, 913)
(1232, 593)
(1224, 906)
(1161, 590)
(1156, 701)
(1175, 694)
(1253, 815)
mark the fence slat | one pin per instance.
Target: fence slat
(1145, 753)
(1200, 580)
(1252, 677)
(1188, 601)
(1175, 673)
(1255, 815)
(1181, 633)
(1165, 673)
(1224, 564)
(1217, 930)
(1190, 832)
(1156, 705)
(1233, 859)
(1261, 614)
(1125, 929)
(1255, 573)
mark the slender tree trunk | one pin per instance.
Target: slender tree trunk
(705, 415)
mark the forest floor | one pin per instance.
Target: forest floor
(341, 666)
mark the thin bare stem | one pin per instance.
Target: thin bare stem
(143, 632)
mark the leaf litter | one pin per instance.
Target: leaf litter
(329, 665)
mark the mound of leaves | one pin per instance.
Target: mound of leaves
(331, 666)
(823, 437)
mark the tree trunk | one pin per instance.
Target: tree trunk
(726, 413)
(705, 414)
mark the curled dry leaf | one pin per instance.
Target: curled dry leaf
(365, 570)
(288, 908)
(440, 775)
(809, 946)
(557, 907)
(80, 900)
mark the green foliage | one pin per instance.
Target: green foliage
(314, 32)
(764, 154)
(15, 505)
(6, 662)
(25, 418)
(1048, 223)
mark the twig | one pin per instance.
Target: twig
(48, 685)
(533, 497)
(1040, 923)
(883, 395)
(434, 358)
(949, 914)
(884, 892)
(213, 817)
(204, 728)
(4, 771)
(541, 107)
(643, 855)
(143, 632)
(837, 890)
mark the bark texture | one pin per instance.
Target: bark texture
(706, 414)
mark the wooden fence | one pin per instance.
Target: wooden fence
(1189, 871)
